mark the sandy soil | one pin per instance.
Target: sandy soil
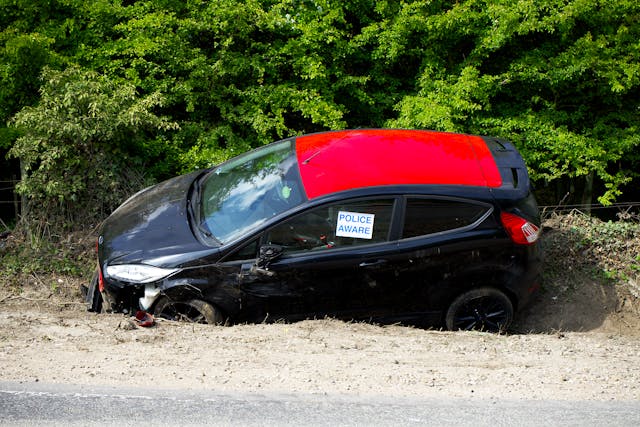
(568, 345)
(579, 340)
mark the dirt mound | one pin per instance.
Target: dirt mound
(591, 277)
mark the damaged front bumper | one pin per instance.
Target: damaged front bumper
(116, 297)
(151, 294)
(122, 298)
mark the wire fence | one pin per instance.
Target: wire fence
(8, 196)
(622, 208)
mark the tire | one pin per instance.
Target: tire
(191, 311)
(482, 309)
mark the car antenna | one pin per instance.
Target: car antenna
(308, 159)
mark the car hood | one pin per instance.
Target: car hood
(152, 227)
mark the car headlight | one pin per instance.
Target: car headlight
(138, 273)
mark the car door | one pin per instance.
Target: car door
(330, 262)
(441, 237)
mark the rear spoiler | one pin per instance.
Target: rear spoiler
(515, 178)
(510, 164)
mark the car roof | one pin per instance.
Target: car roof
(330, 162)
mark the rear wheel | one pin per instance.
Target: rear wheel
(483, 309)
(192, 311)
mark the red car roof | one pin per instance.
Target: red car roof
(344, 160)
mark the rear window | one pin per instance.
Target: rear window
(429, 216)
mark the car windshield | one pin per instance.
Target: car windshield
(246, 191)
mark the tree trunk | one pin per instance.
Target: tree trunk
(587, 193)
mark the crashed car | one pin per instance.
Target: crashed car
(385, 225)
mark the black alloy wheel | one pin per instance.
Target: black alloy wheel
(483, 309)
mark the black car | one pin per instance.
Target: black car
(386, 225)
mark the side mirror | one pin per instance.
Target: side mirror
(268, 253)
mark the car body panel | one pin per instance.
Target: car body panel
(152, 224)
(335, 161)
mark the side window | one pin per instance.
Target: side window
(248, 251)
(428, 216)
(336, 225)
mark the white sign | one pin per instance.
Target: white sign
(356, 225)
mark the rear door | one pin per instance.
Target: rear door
(440, 238)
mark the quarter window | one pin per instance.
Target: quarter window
(336, 225)
(248, 251)
(429, 216)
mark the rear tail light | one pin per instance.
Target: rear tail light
(521, 231)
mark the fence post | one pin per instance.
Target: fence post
(16, 205)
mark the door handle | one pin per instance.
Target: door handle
(376, 263)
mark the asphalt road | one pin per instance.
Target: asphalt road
(42, 404)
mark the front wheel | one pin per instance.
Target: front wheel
(192, 311)
(483, 309)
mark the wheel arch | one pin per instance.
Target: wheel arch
(184, 290)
